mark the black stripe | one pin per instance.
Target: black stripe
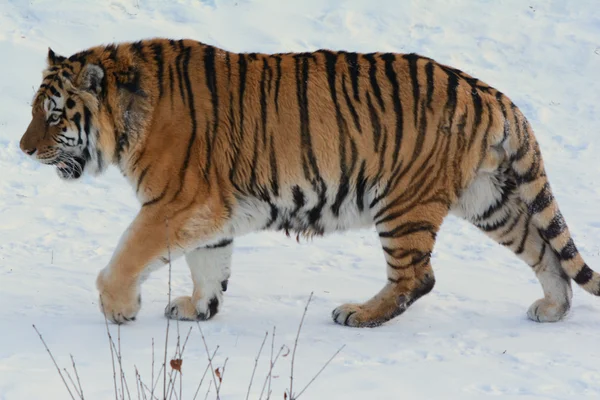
(373, 78)
(277, 82)
(77, 121)
(556, 226)
(541, 257)
(253, 166)
(309, 161)
(192, 111)
(243, 67)
(350, 105)
(584, 275)
(430, 82)
(414, 78)
(138, 50)
(344, 184)
(569, 251)
(361, 184)
(263, 101)
(141, 178)
(156, 199)
(158, 58)
(211, 84)
(521, 247)
(542, 200)
(409, 228)
(171, 81)
(54, 91)
(299, 199)
(274, 174)
(354, 70)
(179, 69)
(70, 103)
(375, 124)
(452, 86)
(390, 72)
(220, 244)
(87, 121)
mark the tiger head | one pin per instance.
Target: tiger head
(65, 128)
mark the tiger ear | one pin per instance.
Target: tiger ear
(54, 58)
(90, 79)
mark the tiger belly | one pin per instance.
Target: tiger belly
(302, 212)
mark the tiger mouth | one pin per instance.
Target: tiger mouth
(71, 168)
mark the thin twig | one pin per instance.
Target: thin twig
(137, 382)
(319, 373)
(124, 385)
(54, 361)
(291, 393)
(208, 391)
(205, 372)
(270, 374)
(72, 382)
(148, 389)
(168, 319)
(77, 376)
(209, 359)
(271, 364)
(178, 354)
(222, 377)
(256, 364)
(112, 355)
(152, 376)
(119, 359)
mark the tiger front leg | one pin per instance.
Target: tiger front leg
(210, 267)
(144, 246)
(407, 239)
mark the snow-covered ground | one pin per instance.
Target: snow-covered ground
(468, 339)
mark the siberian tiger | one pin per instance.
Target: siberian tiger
(217, 144)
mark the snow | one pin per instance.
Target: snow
(468, 339)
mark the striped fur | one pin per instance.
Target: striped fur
(217, 144)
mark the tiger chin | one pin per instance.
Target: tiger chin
(217, 144)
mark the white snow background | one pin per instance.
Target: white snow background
(468, 339)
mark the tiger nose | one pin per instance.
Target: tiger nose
(27, 150)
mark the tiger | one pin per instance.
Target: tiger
(217, 144)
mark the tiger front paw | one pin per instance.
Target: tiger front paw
(185, 309)
(119, 301)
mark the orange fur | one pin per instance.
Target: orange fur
(216, 144)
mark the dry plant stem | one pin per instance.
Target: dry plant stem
(137, 383)
(152, 376)
(168, 320)
(54, 361)
(208, 391)
(119, 359)
(204, 374)
(291, 393)
(256, 364)
(149, 391)
(72, 382)
(270, 374)
(77, 376)
(271, 363)
(112, 355)
(124, 386)
(222, 375)
(178, 354)
(319, 373)
(209, 360)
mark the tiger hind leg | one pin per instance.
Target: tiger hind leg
(210, 268)
(407, 239)
(492, 203)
